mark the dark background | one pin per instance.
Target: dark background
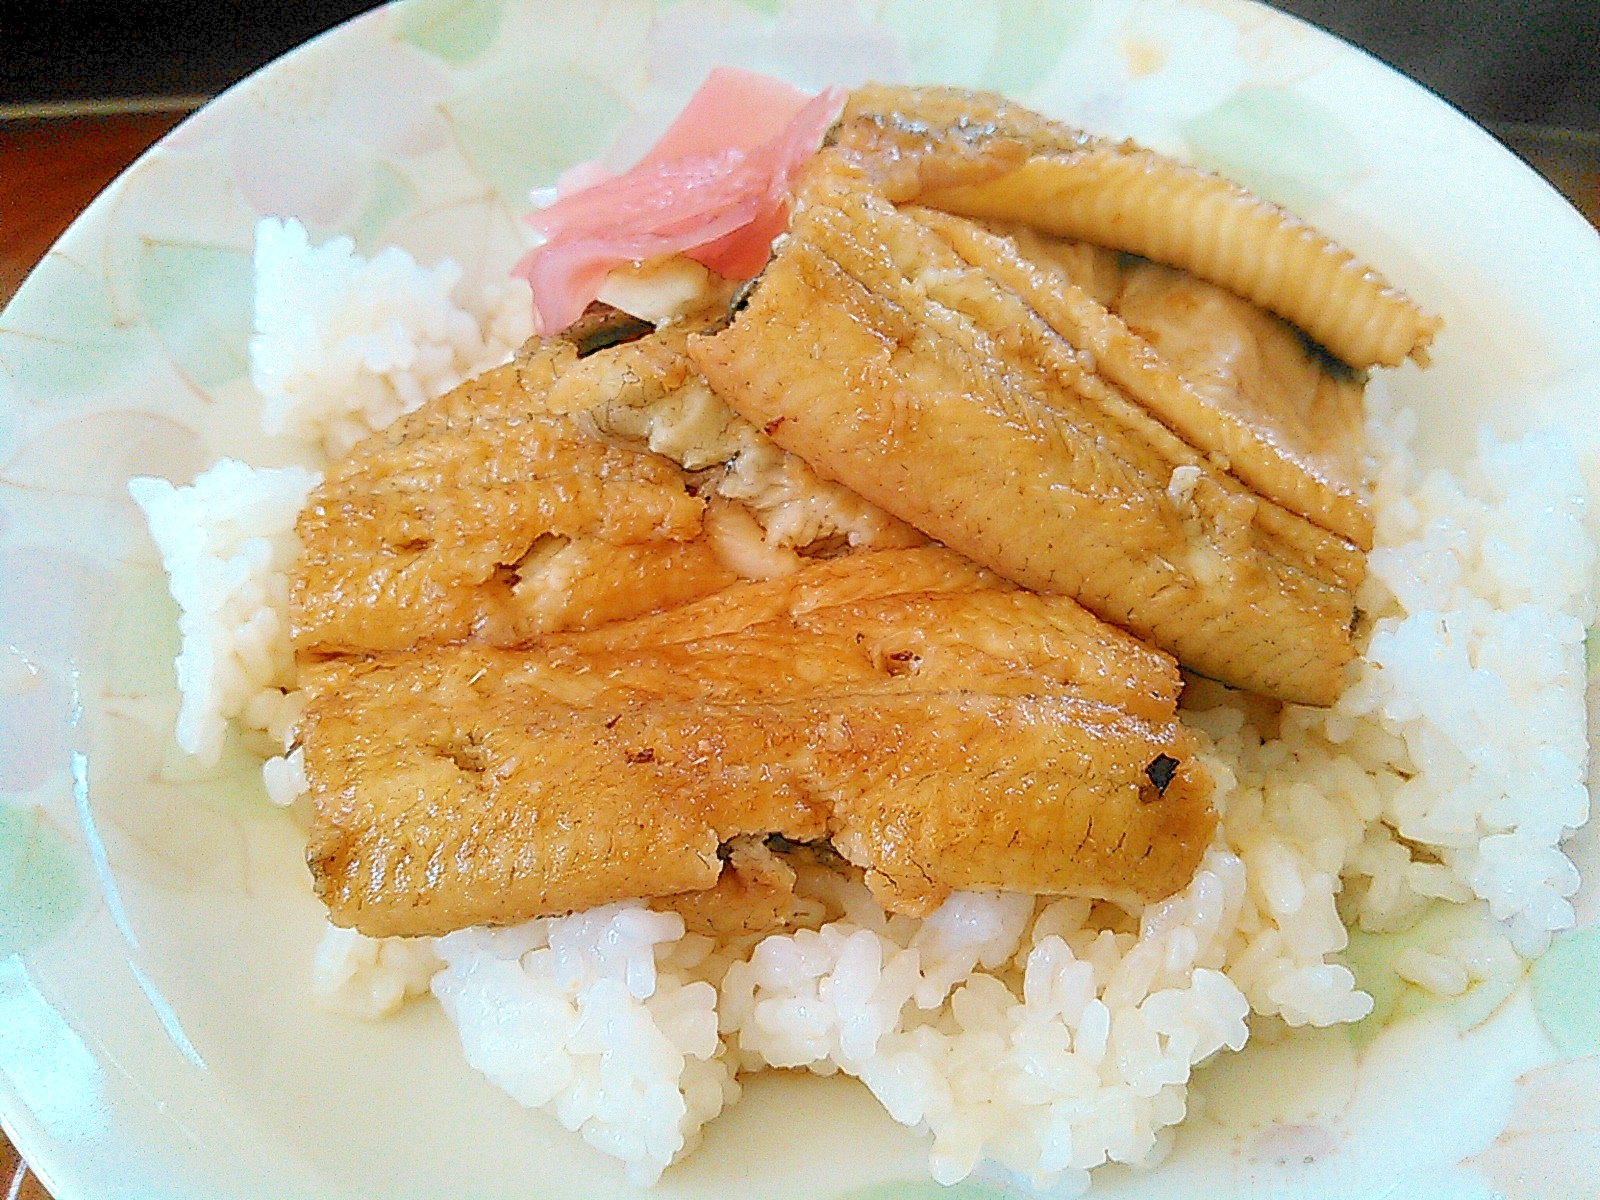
(1531, 63)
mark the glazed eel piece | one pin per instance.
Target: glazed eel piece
(940, 728)
(929, 370)
(978, 155)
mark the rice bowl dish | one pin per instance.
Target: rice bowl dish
(1043, 1038)
(1044, 1034)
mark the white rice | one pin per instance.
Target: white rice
(284, 777)
(572, 1016)
(1046, 1036)
(1010, 1030)
(1473, 683)
(227, 542)
(344, 345)
(370, 977)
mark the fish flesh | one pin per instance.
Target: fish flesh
(978, 155)
(1239, 384)
(494, 513)
(940, 728)
(930, 381)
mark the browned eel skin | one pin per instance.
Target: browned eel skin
(941, 728)
(978, 155)
(492, 514)
(921, 368)
(1238, 384)
(565, 489)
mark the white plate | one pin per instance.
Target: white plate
(156, 1035)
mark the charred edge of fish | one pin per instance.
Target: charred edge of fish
(1160, 772)
(822, 850)
(902, 662)
(835, 546)
(702, 484)
(895, 120)
(601, 327)
(741, 296)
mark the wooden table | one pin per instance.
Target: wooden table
(51, 168)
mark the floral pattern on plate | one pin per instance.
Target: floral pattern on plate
(155, 923)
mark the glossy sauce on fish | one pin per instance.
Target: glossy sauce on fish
(886, 569)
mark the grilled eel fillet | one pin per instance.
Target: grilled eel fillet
(926, 364)
(499, 511)
(978, 155)
(1238, 384)
(942, 728)
(594, 478)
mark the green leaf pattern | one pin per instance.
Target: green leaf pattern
(521, 130)
(1279, 144)
(60, 344)
(1566, 992)
(43, 883)
(65, 345)
(1030, 36)
(454, 30)
(197, 299)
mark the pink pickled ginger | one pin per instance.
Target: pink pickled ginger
(714, 187)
